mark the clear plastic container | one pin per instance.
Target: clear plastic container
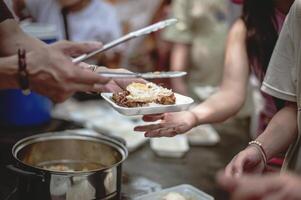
(187, 191)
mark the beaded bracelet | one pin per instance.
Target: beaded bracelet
(259, 146)
(23, 73)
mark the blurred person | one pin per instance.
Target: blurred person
(251, 41)
(88, 20)
(282, 81)
(269, 187)
(198, 42)
(49, 70)
(76, 20)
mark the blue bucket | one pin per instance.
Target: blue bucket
(17, 109)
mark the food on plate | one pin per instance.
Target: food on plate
(140, 94)
(173, 196)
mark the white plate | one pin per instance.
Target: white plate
(174, 147)
(187, 191)
(182, 103)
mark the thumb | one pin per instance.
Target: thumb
(77, 48)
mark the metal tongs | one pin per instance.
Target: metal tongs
(144, 31)
(147, 75)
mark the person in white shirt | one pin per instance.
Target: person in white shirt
(243, 176)
(88, 20)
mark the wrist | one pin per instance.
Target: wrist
(193, 118)
(260, 149)
(9, 73)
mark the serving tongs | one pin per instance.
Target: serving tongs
(148, 75)
(144, 31)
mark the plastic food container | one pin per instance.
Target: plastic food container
(203, 135)
(187, 191)
(182, 103)
(174, 147)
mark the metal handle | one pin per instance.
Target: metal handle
(24, 173)
(119, 74)
(144, 31)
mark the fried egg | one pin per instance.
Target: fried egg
(149, 92)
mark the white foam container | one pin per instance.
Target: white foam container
(188, 191)
(203, 135)
(174, 147)
(182, 103)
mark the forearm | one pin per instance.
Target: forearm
(12, 38)
(8, 72)
(219, 107)
(232, 93)
(281, 131)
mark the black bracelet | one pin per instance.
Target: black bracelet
(23, 73)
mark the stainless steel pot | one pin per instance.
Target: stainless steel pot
(92, 167)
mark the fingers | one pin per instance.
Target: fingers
(255, 187)
(153, 118)
(230, 171)
(88, 77)
(163, 132)
(279, 195)
(151, 127)
(159, 130)
(123, 83)
(112, 87)
(238, 166)
(76, 48)
(245, 192)
(226, 182)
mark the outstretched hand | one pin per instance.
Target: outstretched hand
(171, 124)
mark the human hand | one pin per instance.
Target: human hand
(268, 187)
(52, 73)
(117, 85)
(171, 124)
(247, 161)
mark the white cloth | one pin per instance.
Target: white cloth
(281, 77)
(97, 22)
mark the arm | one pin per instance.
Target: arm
(280, 133)
(12, 37)
(8, 72)
(232, 93)
(219, 107)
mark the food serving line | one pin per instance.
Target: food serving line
(87, 164)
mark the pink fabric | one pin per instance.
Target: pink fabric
(270, 108)
(238, 1)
